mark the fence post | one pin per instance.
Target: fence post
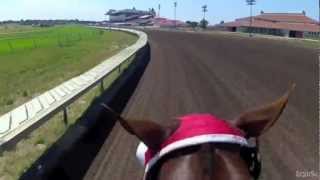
(101, 86)
(65, 115)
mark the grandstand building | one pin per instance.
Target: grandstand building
(129, 14)
(133, 17)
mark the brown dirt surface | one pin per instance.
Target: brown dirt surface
(224, 75)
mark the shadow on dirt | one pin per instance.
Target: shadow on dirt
(71, 156)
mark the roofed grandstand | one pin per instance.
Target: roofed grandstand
(134, 17)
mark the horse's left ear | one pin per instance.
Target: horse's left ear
(256, 122)
(150, 133)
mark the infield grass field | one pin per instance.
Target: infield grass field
(35, 60)
(40, 59)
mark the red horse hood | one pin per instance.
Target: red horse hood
(194, 129)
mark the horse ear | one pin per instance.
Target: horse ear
(150, 133)
(257, 121)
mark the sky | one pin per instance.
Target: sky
(226, 10)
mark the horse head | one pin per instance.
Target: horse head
(202, 146)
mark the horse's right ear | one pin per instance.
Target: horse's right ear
(259, 120)
(150, 133)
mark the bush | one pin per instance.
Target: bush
(192, 24)
(9, 102)
(25, 93)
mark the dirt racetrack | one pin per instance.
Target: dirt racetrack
(224, 75)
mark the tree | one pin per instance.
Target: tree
(152, 11)
(192, 24)
(204, 23)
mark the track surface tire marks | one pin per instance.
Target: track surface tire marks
(224, 75)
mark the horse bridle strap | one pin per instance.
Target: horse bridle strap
(251, 155)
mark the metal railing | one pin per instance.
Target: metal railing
(53, 101)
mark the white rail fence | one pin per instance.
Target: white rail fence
(57, 99)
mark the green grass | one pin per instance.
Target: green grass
(294, 42)
(15, 162)
(60, 36)
(314, 38)
(27, 72)
(40, 60)
(310, 44)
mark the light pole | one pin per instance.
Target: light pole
(159, 8)
(251, 3)
(204, 10)
(175, 4)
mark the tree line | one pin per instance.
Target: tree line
(194, 24)
(44, 23)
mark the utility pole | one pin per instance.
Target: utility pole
(175, 4)
(251, 3)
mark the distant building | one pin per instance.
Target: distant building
(129, 14)
(133, 17)
(281, 24)
(164, 22)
